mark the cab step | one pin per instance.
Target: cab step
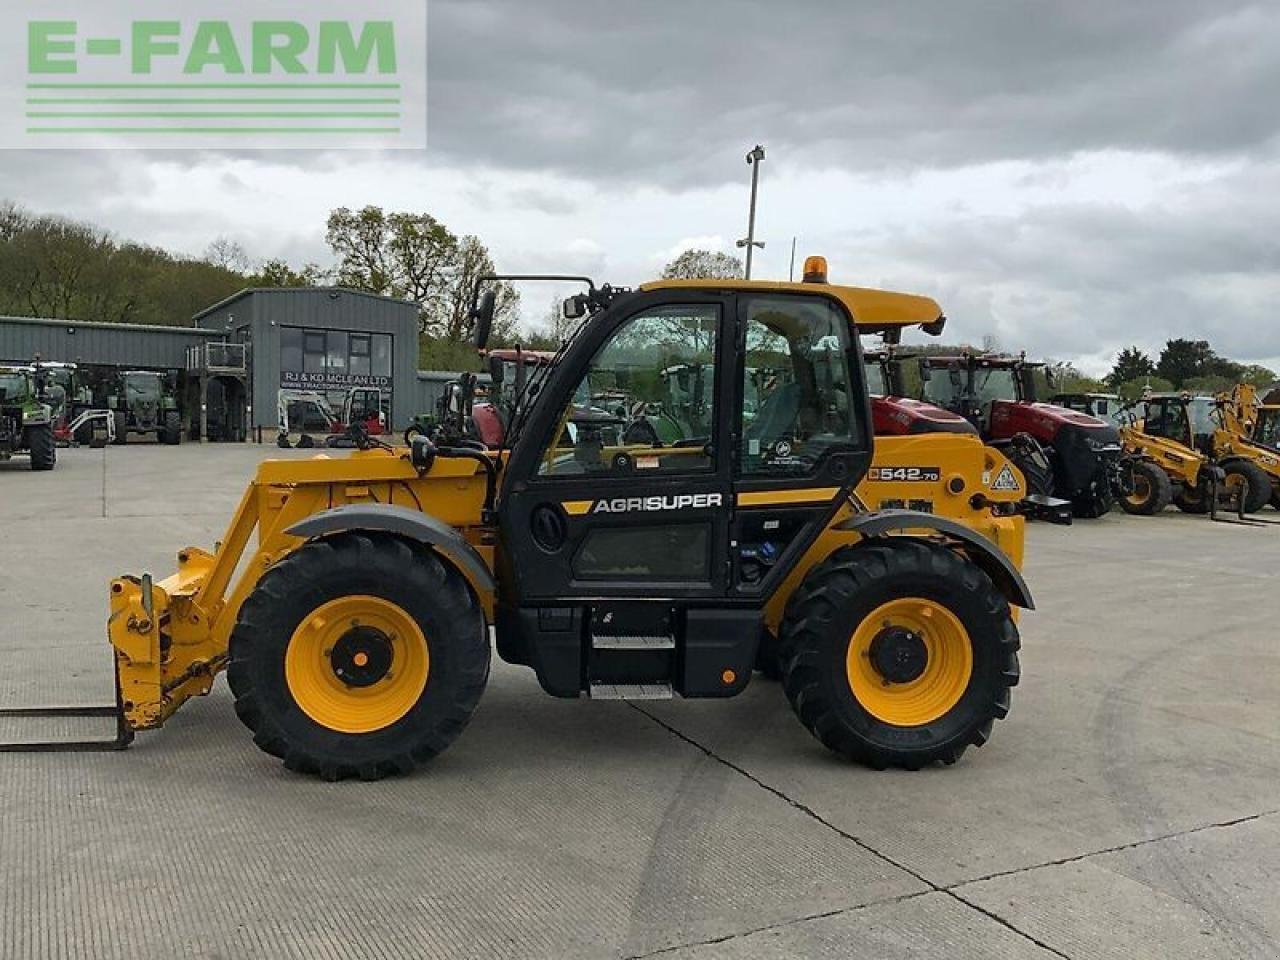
(631, 691)
(617, 642)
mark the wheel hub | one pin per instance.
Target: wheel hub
(899, 655)
(362, 656)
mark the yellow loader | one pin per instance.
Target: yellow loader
(1245, 429)
(355, 628)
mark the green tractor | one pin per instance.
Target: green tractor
(146, 402)
(26, 421)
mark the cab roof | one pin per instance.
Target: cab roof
(874, 311)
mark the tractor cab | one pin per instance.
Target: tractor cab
(1063, 452)
(893, 412)
(1104, 406)
(1266, 426)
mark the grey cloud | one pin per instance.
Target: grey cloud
(1066, 281)
(669, 93)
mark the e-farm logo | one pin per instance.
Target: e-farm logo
(276, 73)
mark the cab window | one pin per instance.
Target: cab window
(647, 404)
(796, 372)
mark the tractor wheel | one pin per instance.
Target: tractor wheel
(1035, 468)
(44, 452)
(1240, 472)
(1152, 490)
(172, 432)
(899, 654)
(1192, 499)
(360, 655)
(122, 428)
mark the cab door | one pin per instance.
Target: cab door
(620, 484)
(804, 436)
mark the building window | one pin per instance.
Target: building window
(381, 365)
(290, 348)
(360, 348)
(336, 361)
(313, 352)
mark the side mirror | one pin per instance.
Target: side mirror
(497, 371)
(926, 373)
(1051, 378)
(482, 317)
(574, 308)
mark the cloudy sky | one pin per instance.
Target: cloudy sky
(1069, 178)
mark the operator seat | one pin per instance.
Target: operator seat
(777, 416)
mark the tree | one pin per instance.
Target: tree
(448, 313)
(401, 255)
(278, 273)
(1132, 390)
(1257, 375)
(1131, 364)
(228, 254)
(413, 256)
(1182, 360)
(703, 265)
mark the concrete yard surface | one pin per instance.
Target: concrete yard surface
(1129, 807)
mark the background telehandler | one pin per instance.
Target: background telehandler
(1242, 425)
(1170, 451)
(355, 639)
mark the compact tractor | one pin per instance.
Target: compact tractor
(1060, 452)
(1170, 451)
(356, 637)
(145, 402)
(26, 418)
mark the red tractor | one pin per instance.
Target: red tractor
(1060, 452)
(893, 413)
(510, 371)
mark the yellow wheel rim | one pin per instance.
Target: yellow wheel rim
(909, 662)
(357, 664)
(1141, 490)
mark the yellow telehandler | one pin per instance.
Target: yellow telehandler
(1171, 452)
(355, 631)
(1245, 428)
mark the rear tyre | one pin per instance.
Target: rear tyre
(44, 452)
(122, 428)
(1152, 490)
(899, 654)
(1034, 465)
(1240, 472)
(360, 655)
(172, 432)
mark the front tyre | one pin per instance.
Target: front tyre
(1152, 490)
(44, 451)
(358, 656)
(1242, 472)
(899, 653)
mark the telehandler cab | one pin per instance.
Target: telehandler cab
(356, 642)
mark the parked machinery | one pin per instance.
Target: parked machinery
(26, 418)
(145, 402)
(1243, 425)
(1169, 446)
(1060, 451)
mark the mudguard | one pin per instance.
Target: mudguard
(385, 518)
(982, 551)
